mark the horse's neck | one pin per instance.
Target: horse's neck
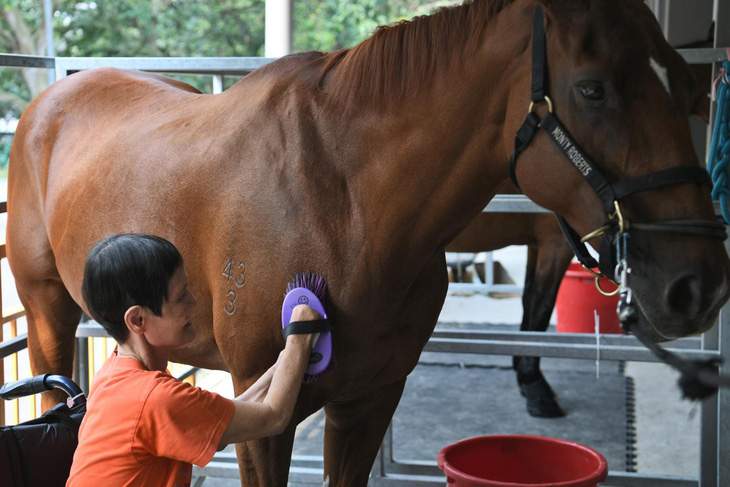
(430, 166)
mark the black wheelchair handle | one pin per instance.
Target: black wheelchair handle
(39, 383)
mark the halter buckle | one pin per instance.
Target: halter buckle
(545, 99)
(607, 293)
(598, 275)
(595, 233)
(622, 224)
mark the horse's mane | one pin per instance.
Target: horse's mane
(401, 58)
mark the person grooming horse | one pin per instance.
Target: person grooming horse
(143, 426)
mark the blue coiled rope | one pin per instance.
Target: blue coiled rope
(718, 160)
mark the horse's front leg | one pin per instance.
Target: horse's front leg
(354, 430)
(546, 265)
(265, 462)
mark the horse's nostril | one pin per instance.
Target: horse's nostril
(683, 296)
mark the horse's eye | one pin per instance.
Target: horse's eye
(592, 90)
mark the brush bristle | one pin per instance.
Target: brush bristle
(309, 378)
(311, 281)
(316, 284)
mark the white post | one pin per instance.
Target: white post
(217, 84)
(278, 30)
(48, 28)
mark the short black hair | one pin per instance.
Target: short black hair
(126, 270)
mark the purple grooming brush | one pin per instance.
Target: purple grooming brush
(310, 289)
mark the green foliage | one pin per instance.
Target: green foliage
(32, 13)
(160, 28)
(14, 93)
(335, 24)
(5, 141)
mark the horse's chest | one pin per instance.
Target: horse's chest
(397, 329)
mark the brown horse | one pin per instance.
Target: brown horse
(353, 164)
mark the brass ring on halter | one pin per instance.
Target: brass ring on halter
(617, 214)
(596, 274)
(595, 233)
(546, 99)
(612, 293)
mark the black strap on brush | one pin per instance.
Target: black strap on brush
(306, 327)
(698, 379)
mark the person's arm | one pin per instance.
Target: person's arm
(252, 420)
(258, 390)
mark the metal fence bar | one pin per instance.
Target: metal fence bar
(723, 407)
(704, 55)
(81, 364)
(466, 287)
(691, 343)
(90, 330)
(26, 61)
(13, 345)
(513, 203)
(539, 349)
(91, 353)
(14, 372)
(717, 463)
(179, 65)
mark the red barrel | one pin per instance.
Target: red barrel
(578, 297)
(521, 460)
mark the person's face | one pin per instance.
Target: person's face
(173, 329)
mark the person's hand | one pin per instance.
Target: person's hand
(303, 312)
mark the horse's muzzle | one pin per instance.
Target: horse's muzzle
(689, 304)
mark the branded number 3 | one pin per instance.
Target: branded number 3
(236, 273)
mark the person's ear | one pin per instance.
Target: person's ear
(134, 319)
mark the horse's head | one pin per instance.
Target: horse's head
(623, 94)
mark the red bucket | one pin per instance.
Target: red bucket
(578, 297)
(519, 460)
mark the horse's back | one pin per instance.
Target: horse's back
(71, 114)
(109, 150)
(63, 144)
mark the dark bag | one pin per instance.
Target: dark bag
(39, 452)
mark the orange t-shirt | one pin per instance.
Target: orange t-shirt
(145, 428)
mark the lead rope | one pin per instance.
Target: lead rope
(698, 378)
(718, 159)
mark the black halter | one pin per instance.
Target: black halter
(609, 194)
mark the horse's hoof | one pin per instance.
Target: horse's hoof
(545, 409)
(541, 402)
